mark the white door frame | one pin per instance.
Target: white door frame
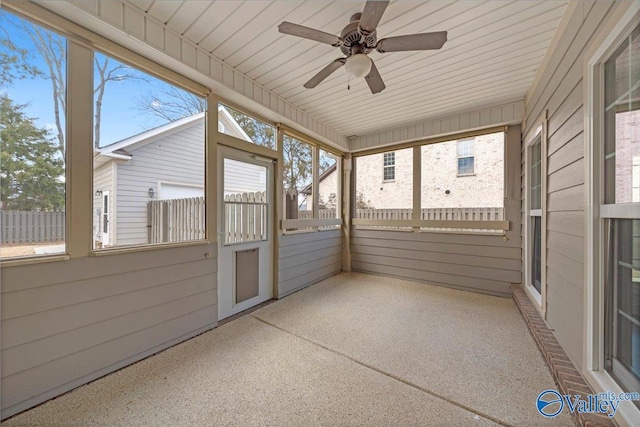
(226, 252)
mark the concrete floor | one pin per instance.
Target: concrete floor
(354, 349)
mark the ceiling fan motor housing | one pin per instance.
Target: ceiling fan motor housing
(352, 37)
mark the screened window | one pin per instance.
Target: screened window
(621, 213)
(298, 178)
(475, 197)
(466, 159)
(242, 126)
(148, 169)
(33, 86)
(377, 197)
(389, 166)
(328, 186)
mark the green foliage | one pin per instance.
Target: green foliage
(31, 170)
(259, 132)
(297, 163)
(361, 203)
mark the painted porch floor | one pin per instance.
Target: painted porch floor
(355, 349)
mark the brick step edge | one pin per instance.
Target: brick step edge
(568, 379)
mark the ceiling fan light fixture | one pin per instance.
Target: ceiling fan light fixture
(358, 65)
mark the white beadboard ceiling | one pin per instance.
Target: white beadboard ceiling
(491, 57)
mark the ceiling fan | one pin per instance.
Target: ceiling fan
(358, 39)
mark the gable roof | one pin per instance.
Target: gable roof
(123, 149)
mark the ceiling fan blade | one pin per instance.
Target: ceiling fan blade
(324, 73)
(426, 41)
(374, 80)
(309, 33)
(371, 15)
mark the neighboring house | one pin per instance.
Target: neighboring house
(163, 163)
(468, 173)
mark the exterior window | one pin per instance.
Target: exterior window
(621, 213)
(149, 166)
(33, 86)
(466, 157)
(389, 168)
(535, 215)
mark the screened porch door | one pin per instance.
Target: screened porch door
(245, 238)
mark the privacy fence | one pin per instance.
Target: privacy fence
(26, 227)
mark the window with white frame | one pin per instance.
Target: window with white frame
(389, 166)
(620, 213)
(466, 159)
(534, 215)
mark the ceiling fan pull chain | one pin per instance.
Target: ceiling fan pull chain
(348, 82)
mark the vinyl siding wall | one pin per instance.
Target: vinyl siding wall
(482, 263)
(560, 93)
(307, 258)
(176, 158)
(66, 323)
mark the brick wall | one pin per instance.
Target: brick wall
(484, 188)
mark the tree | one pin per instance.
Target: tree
(48, 60)
(32, 174)
(297, 163)
(173, 105)
(259, 132)
(361, 203)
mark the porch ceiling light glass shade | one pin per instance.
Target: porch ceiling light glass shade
(358, 65)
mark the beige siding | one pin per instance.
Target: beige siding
(66, 323)
(560, 93)
(307, 258)
(485, 264)
(176, 158)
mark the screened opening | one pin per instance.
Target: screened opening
(463, 180)
(298, 178)
(33, 144)
(148, 168)
(328, 186)
(242, 126)
(384, 193)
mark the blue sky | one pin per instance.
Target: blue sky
(120, 117)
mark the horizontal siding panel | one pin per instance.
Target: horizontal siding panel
(434, 237)
(308, 257)
(303, 238)
(459, 282)
(570, 129)
(293, 250)
(450, 258)
(446, 248)
(60, 375)
(566, 272)
(566, 154)
(570, 199)
(473, 272)
(571, 246)
(566, 222)
(30, 301)
(567, 324)
(28, 328)
(286, 287)
(31, 276)
(303, 269)
(569, 176)
(35, 353)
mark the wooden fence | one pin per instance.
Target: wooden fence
(433, 214)
(245, 217)
(176, 220)
(18, 227)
